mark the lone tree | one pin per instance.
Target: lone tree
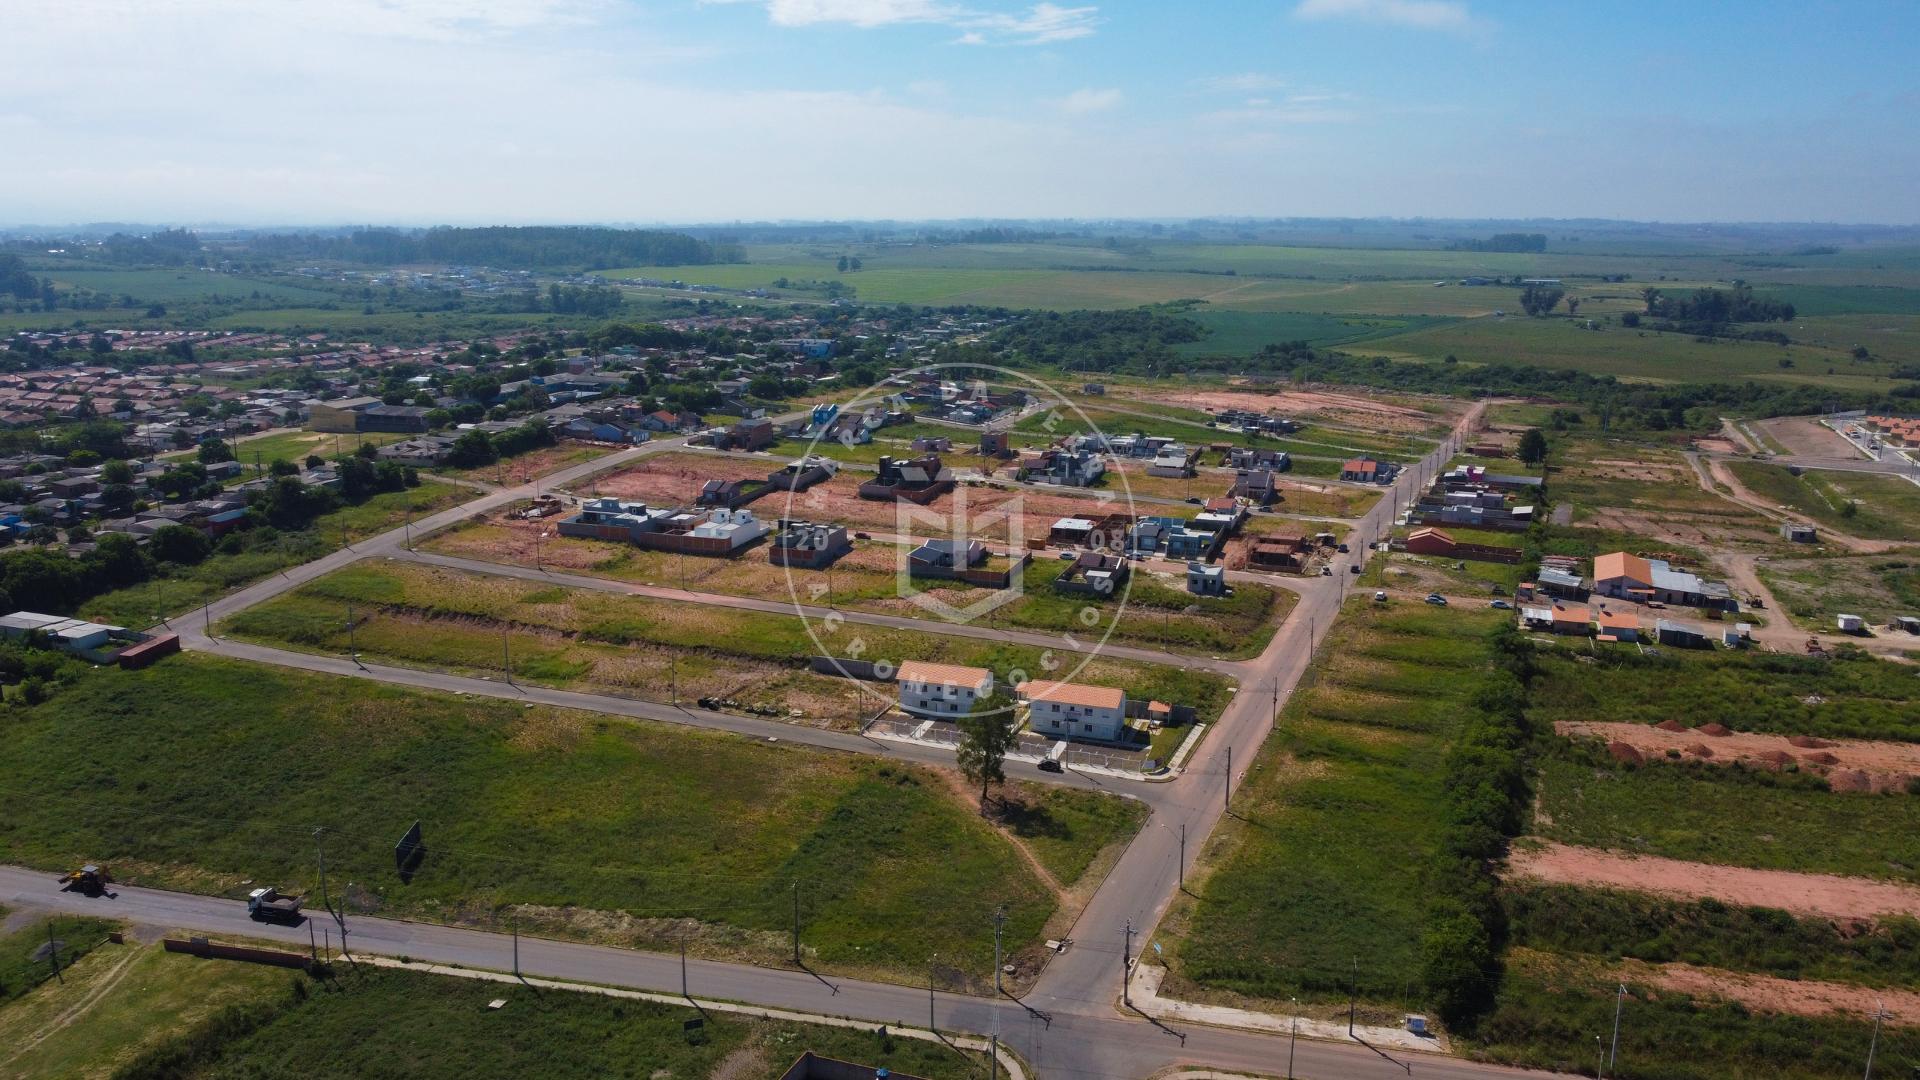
(1533, 446)
(986, 734)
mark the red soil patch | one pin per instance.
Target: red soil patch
(1718, 731)
(1826, 895)
(1886, 765)
(1362, 411)
(1764, 993)
(1671, 725)
(1625, 752)
(1849, 780)
(1808, 742)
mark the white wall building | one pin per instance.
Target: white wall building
(941, 690)
(1075, 711)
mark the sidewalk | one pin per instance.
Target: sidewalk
(1145, 991)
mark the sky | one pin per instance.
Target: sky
(674, 111)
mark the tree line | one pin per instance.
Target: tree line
(1509, 241)
(507, 247)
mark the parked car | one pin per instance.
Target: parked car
(1436, 599)
(862, 536)
(1050, 765)
(1068, 556)
(1379, 596)
(1343, 549)
(1354, 569)
(1326, 571)
(1501, 605)
(1196, 500)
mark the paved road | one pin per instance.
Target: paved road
(1072, 1046)
(1087, 1036)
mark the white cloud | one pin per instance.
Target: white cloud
(1084, 101)
(1422, 14)
(1041, 24)
(1246, 82)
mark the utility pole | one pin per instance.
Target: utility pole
(53, 957)
(796, 924)
(1226, 793)
(1879, 1013)
(506, 655)
(932, 963)
(516, 944)
(1183, 857)
(683, 968)
(1613, 1055)
(1126, 965)
(999, 920)
(1353, 995)
(320, 847)
(353, 651)
(206, 617)
(1293, 1037)
(1599, 1057)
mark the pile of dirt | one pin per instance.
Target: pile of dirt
(1625, 753)
(1701, 750)
(1849, 780)
(1774, 759)
(1821, 758)
(1808, 742)
(1671, 725)
(1715, 730)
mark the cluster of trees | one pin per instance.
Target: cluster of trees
(1486, 795)
(1540, 299)
(35, 668)
(526, 248)
(479, 448)
(16, 281)
(846, 264)
(597, 300)
(1506, 241)
(1139, 340)
(1716, 307)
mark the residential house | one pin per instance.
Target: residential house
(1172, 460)
(1441, 544)
(932, 444)
(941, 690)
(1257, 486)
(1074, 710)
(1245, 457)
(1633, 577)
(810, 545)
(341, 415)
(919, 480)
(395, 418)
(1618, 625)
(1365, 470)
(1799, 532)
(1067, 468)
(1204, 580)
(747, 435)
(1280, 551)
(1094, 573)
(1678, 636)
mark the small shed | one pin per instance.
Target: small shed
(1850, 624)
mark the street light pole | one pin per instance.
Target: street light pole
(1619, 998)
(1293, 1038)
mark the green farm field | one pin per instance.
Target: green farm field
(627, 832)
(1630, 354)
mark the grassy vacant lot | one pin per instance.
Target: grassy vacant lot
(536, 462)
(1333, 830)
(1152, 614)
(118, 1002)
(410, 1024)
(295, 446)
(142, 605)
(628, 832)
(1551, 1007)
(1240, 332)
(1725, 814)
(1858, 698)
(626, 644)
(1629, 354)
(1311, 441)
(1883, 507)
(1767, 941)
(21, 971)
(1876, 588)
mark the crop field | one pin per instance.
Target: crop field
(621, 831)
(186, 588)
(1321, 863)
(1882, 507)
(1893, 337)
(173, 286)
(639, 646)
(1630, 354)
(1239, 332)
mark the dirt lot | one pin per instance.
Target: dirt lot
(1805, 435)
(1717, 446)
(1848, 764)
(1342, 408)
(1826, 895)
(1767, 994)
(1699, 533)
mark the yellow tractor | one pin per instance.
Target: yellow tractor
(89, 879)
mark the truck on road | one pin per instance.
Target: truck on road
(270, 905)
